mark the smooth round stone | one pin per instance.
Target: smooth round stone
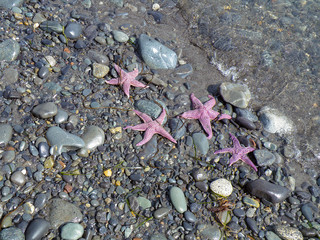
(274, 121)
(63, 141)
(39, 18)
(5, 133)
(264, 157)
(252, 225)
(43, 72)
(98, 57)
(272, 236)
(236, 94)
(246, 123)
(199, 174)
(156, 55)
(43, 149)
(9, 50)
(11, 233)
(203, 186)
(120, 36)
(45, 110)
(161, 212)
(209, 232)
(190, 217)
(178, 199)
(93, 137)
(221, 187)
(8, 156)
(99, 70)
(61, 116)
(201, 143)
(18, 178)
(73, 30)
(288, 233)
(307, 212)
(62, 211)
(51, 26)
(144, 203)
(246, 114)
(72, 231)
(40, 200)
(37, 229)
(80, 44)
(148, 107)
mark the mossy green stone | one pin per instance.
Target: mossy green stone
(178, 199)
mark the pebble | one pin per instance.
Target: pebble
(156, 55)
(178, 128)
(221, 187)
(190, 217)
(40, 200)
(62, 211)
(183, 71)
(37, 229)
(120, 36)
(161, 212)
(264, 157)
(307, 212)
(246, 123)
(10, 75)
(236, 94)
(45, 110)
(252, 225)
(51, 26)
(98, 57)
(271, 192)
(99, 70)
(199, 174)
(11, 233)
(18, 178)
(72, 231)
(43, 72)
(9, 50)
(144, 202)
(274, 121)
(5, 133)
(178, 199)
(201, 143)
(209, 232)
(148, 107)
(288, 233)
(93, 137)
(61, 116)
(73, 30)
(158, 236)
(251, 202)
(63, 141)
(246, 114)
(203, 186)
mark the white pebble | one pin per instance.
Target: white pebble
(221, 187)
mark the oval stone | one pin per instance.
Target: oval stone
(5, 133)
(161, 212)
(221, 187)
(9, 50)
(37, 228)
(73, 30)
(45, 110)
(93, 137)
(72, 231)
(178, 199)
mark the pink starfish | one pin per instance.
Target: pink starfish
(238, 152)
(204, 113)
(151, 127)
(126, 79)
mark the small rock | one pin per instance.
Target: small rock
(161, 212)
(272, 236)
(73, 30)
(148, 107)
(201, 143)
(5, 133)
(264, 157)
(120, 36)
(199, 174)
(99, 70)
(178, 199)
(210, 232)
(45, 110)
(221, 187)
(9, 50)
(18, 178)
(51, 26)
(236, 94)
(252, 225)
(72, 231)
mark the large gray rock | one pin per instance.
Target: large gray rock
(156, 55)
(9, 50)
(236, 94)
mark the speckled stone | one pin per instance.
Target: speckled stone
(236, 94)
(9, 50)
(178, 199)
(222, 187)
(11, 233)
(210, 232)
(62, 211)
(5, 133)
(288, 233)
(72, 231)
(272, 236)
(51, 26)
(45, 110)
(99, 70)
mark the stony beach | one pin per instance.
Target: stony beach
(115, 125)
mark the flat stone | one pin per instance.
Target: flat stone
(63, 141)
(210, 232)
(144, 202)
(73, 30)
(8, 4)
(11, 233)
(148, 107)
(51, 26)
(72, 231)
(265, 190)
(39, 18)
(288, 233)
(161, 212)
(252, 225)
(62, 211)
(183, 71)
(274, 121)
(156, 55)
(178, 199)
(221, 187)
(201, 143)
(264, 157)
(120, 36)
(45, 110)
(236, 94)
(5, 133)
(177, 127)
(99, 70)
(307, 212)
(18, 178)
(37, 229)
(9, 50)
(10, 75)
(272, 236)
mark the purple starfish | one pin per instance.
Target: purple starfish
(204, 113)
(126, 79)
(238, 152)
(151, 127)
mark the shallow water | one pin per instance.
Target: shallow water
(273, 47)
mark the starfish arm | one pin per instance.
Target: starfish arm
(212, 114)
(248, 149)
(192, 114)
(249, 162)
(126, 88)
(236, 143)
(114, 81)
(209, 104)
(233, 159)
(224, 116)
(133, 74)
(138, 84)
(162, 116)
(205, 122)
(225, 150)
(196, 103)
(143, 116)
(118, 69)
(160, 130)
(147, 136)
(139, 127)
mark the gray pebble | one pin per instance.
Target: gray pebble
(148, 107)
(37, 229)
(178, 199)
(236, 94)
(5, 133)
(9, 50)
(72, 231)
(43, 149)
(73, 30)
(18, 178)
(43, 72)
(120, 36)
(252, 225)
(190, 217)
(51, 26)
(201, 143)
(161, 212)
(40, 200)
(199, 174)
(45, 110)
(264, 157)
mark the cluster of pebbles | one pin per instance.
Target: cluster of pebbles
(69, 171)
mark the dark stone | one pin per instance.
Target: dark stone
(43, 149)
(80, 44)
(36, 229)
(271, 192)
(307, 212)
(157, 16)
(246, 123)
(239, 212)
(252, 225)
(309, 232)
